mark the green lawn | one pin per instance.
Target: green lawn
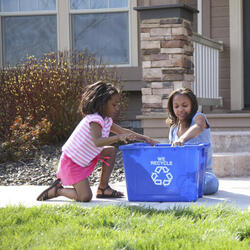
(75, 227)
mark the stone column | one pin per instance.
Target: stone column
(166, 53)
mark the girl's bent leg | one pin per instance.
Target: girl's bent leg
(109, 151)
(211, 183)
(104, 189)
(80, 192)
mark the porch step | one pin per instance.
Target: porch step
(229, 121)
(231, 153)
(154, 124)
(230, 137)
(231, 164)
(231, 141)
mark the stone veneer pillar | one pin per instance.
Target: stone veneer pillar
(166, 53)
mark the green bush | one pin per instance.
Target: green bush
(47, 91)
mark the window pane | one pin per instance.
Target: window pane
(118, 4)
(28, 35)
(80, 4)
(47, 4)
(27, 5)
(8, 6)
(104, 35)
(98, 4)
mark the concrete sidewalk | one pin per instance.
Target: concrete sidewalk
(232, 191)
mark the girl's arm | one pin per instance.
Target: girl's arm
(99, 141)
(116, 129)
(193, 131)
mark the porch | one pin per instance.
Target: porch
(230, 130)
(206, 87)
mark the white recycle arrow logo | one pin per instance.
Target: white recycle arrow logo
(155, 176)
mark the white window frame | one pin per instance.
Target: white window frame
(237, 53)
(199, 17)
(1, 44)
(64, 33)
(132, 23)
(22, 13)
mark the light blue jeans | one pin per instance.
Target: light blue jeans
(211, 183)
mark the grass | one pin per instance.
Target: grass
(75, 227)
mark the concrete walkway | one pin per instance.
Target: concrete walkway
(232, 191)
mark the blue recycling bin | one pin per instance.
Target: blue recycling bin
(164, 173)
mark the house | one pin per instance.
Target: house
(157, 45)
(219, 77)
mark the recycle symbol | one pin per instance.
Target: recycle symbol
(158, 180)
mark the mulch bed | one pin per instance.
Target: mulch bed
(41, 169)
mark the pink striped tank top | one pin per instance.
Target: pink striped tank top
(80, 147)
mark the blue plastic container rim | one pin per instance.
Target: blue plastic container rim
(161, 145)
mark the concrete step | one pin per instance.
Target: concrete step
(230, 137)
(231, 141)
(154, 124)
(229, 121)
(231, 164)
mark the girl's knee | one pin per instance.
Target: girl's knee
(109, 151)
(211, 184)
(83, 191)
(112, 151)
(84, 197)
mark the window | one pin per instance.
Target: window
(34, 27)
(104, 33)
(28, 27)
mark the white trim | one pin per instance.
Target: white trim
(89, 11)
(236, 54)
(199, 17)
(1, 44)
(63, 25)
(132, 26)
(133, 39)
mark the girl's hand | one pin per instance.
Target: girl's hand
(150, 140)
(147, 139)
(126, 137)
(133, 137)
(127, 134)
(179, 142)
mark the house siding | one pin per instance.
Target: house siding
(220, 32)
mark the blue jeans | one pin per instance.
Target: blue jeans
(211, 183)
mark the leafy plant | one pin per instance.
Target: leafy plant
(24, 138)
(48, 91)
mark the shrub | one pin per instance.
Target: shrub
(24, 139)
(47, 91)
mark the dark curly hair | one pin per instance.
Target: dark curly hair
(95, 96)
(172, 119)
